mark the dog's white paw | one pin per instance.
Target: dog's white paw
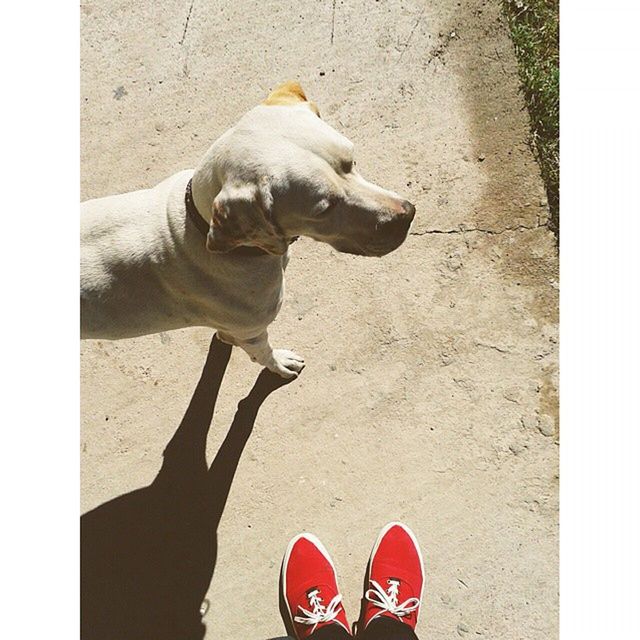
(285, 363)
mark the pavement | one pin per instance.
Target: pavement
(430, 392)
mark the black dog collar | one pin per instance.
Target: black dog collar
(192, 212)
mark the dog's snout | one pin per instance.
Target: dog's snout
(399, 224)
(409, 209)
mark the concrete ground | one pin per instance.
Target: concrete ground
(430, 393)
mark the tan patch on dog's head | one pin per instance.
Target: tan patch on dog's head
(287, 93)
(290, 93)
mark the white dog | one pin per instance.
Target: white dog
(209, 247)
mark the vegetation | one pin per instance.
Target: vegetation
(535, 29)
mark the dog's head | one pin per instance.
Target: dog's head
(283, 172)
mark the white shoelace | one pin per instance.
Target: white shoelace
(388, 600)
(320, 612)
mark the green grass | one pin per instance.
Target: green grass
(534, 28)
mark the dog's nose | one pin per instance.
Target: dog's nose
(409, 209)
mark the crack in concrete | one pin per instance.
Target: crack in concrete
(333, 20)
(462, 231)
(186, 23)
(493, 347)
(408, 42)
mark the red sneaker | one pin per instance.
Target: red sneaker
(395, 577)
(309, 588)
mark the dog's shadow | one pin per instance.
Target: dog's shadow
(147, 557)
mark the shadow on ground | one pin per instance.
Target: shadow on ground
(147, 557)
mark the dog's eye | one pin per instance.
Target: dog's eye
(326, 206)
(329, 207)
(347, 166)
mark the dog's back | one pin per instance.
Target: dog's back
(123, 254)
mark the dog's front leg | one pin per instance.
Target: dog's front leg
(281, 361)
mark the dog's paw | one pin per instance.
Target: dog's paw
(286, 363)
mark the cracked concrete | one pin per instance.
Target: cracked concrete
(430, 393)
(463, 230)
(186, 23)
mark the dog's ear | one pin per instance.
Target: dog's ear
(242, 216)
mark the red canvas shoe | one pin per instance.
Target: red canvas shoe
(309, 588)
(395, 577)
